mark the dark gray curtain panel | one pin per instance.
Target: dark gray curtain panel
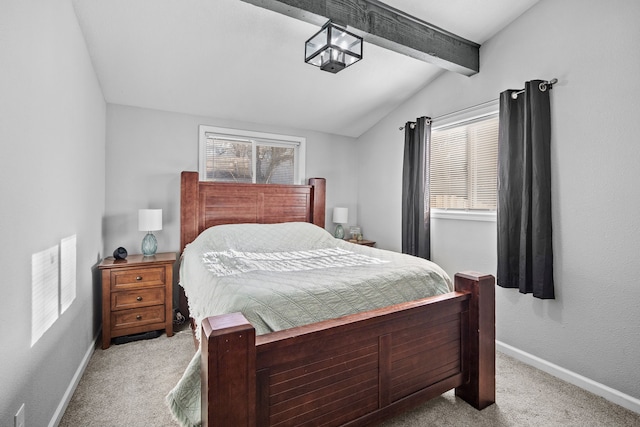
(525, 252)
(416, 235)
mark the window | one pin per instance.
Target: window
(464, 164)
(252, 157)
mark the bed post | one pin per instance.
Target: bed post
(318, 200)
(188, 208)
(480, 353)
(228, 371)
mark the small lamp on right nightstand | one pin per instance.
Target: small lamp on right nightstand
(340, 216)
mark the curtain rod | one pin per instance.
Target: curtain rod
(543, 86)
(412, 124)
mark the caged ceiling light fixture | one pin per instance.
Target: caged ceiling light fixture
(333, 48)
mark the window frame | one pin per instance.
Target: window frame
(463, 116)
(297, 142)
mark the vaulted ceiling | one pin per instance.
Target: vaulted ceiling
(232, 60)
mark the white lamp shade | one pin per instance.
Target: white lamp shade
(340, 215)
(149, 219)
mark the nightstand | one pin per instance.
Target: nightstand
(363, 242)
(137, 295)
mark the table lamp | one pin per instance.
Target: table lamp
(149, 220)
(340, 216)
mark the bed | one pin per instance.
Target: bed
(350, 368)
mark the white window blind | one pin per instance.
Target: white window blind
(464, 160)
(243, 156)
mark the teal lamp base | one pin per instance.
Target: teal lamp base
(339, 233)
(149, 244)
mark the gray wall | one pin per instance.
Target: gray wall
(147, 150)
(54, 183)
(52, 139)
(592, 327)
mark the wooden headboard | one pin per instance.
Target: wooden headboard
(204, 204)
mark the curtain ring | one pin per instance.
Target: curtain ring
(515, 93)
(412, 125)
(543, 85)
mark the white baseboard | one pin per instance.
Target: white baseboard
(594, 387)
(57, 416)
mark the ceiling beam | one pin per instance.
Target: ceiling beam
(386, 27)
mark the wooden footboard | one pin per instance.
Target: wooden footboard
(355, 370)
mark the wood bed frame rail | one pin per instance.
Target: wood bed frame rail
(355, 370)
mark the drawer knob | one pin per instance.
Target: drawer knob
(139, 299)
(139, 317)
(139, 278)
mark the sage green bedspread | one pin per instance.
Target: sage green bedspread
(285, 275)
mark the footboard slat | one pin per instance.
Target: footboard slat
(311, 381)
(359, 369)
(339, 397)
(301, 376)
(336, 379)
(385, 363)
(341, 385)
(422, 363)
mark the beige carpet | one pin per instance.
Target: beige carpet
(126, 384)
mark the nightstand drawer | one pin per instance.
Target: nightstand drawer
(139, 277)
(137, 317)
(137, 298)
